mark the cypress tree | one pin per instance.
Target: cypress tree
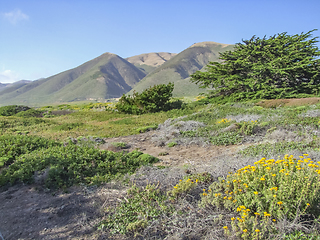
(280, 66)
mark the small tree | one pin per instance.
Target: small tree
(153, 99)
(281, 66)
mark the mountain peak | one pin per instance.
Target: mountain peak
(208, 43)
(154, 59)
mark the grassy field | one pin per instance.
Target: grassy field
(268, 190)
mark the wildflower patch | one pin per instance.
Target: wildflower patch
(259, 195)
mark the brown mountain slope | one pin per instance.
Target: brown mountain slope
(150, 61)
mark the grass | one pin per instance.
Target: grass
(275, 197)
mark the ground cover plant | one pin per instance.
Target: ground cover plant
(63, 166)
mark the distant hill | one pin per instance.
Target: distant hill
(9, 87)
(110, 76)
(179, 68)
(147, 62)
(107, 76)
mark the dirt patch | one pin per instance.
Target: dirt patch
(288, 102)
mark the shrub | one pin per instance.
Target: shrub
(269, 191)
(147, 128)
(29, 113)
(13, 146)
(12, 110)
(172, 144)
(73, 165)
(142, 205)
(120, 145)
(153, 99)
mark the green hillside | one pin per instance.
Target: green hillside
(179, 68)
(106, 76)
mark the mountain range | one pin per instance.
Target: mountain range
(110, 76)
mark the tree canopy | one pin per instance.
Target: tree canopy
(280, 66)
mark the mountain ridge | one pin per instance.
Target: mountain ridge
(179, 68)
(109, 76)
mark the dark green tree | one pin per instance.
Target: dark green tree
(280, 66)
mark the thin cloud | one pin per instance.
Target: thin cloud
(15, 16)
(8, 76)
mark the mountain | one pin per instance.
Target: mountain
(107, 76)
(110, 76)
(147, 62)
(9, 87)
(178, 68)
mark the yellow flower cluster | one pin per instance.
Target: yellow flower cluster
(183, 187)
(267, 189)
(224, 120)
(199, 98)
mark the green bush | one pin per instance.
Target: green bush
(153, 99)
(12, 110)
(142, 205)
(73, 164)
(29, 113)
(13, 146)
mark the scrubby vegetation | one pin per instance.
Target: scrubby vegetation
(26, 158)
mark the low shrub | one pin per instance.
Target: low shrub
(121, 145)
(226, 138)
(147, 128)
(29, 113)
(261, 195)
(12, 110)
(13, 146)
(73, 164)
(142, 205)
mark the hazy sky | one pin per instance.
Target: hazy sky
(40, 38)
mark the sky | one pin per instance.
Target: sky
(40, 38)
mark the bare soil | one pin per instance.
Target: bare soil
(273, 103)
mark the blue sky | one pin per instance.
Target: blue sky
(40, 38)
